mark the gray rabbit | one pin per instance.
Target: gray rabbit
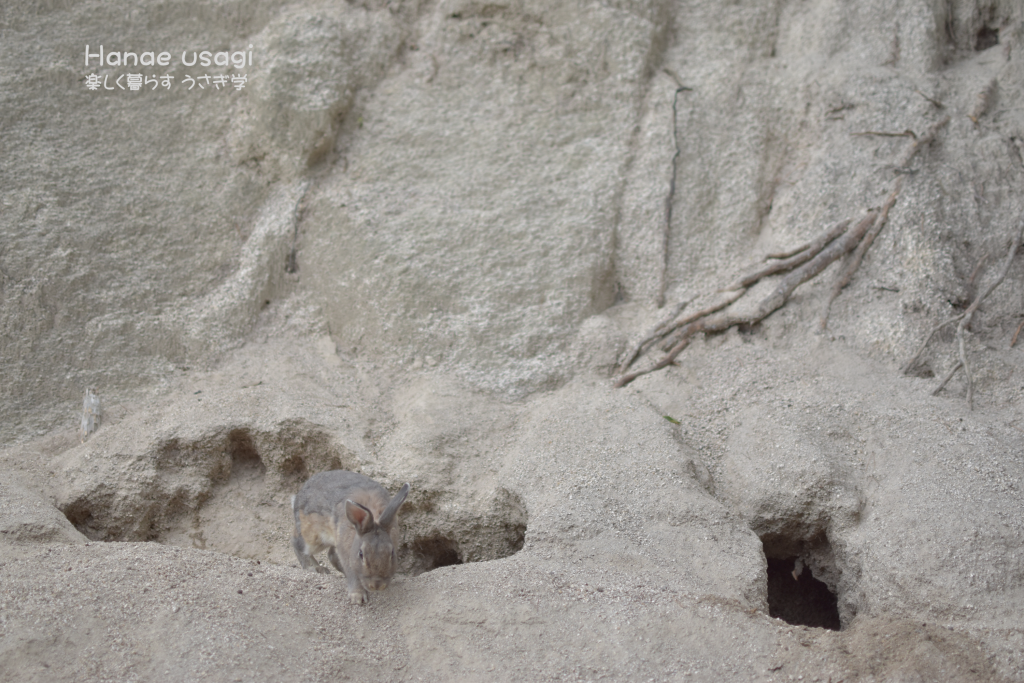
(355, 518)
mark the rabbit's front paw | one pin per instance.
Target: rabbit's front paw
(358, 597)
(320, 569)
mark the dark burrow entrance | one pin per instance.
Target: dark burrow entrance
(802, 578)
(435, 539)
(431, 553)
(796, 597)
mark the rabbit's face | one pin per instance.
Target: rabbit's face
(376, 560)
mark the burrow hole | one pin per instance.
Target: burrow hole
(435, 539)
(986, 37)
(245, 460)
(432, 552)
(797, 590)
(230, 492)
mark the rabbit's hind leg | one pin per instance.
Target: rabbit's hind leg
(306, 559)
(312, 534)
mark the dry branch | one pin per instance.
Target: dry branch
(789, 252)
(920, 142)
(1016, 334)
(803, 263)
(969, 313)
(965, 320)
(905, 134)
(731, 293)
(949, 376)
(966, 366)
(977, 269)
(851, 267)
(723, 321)
(730, 297)
(935, 103)
(974, 276)
(659, 331)
(792, 259)
(910, 363)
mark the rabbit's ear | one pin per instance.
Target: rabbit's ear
(388, 516)
(361, 517)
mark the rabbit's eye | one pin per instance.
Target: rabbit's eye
(360, 553)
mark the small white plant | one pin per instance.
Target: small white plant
(90, 414)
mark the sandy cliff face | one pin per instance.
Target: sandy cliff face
(417, 242)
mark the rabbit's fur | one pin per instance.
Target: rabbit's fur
(356, 520)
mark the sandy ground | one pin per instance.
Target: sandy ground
(639, 559)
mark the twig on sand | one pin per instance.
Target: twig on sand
(935, 102)
(949, 376)
(657, 333)
(905, 134)
(965, 320)
(910, 363)
(1016, 334)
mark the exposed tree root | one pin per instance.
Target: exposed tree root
(671, 197)
(726, 299)
(710, 320)
(883, 134)
(851, 266)
(922, 141)
(802, 264)
(660, 330)
(854, 263)
(791, 259)
(949, 376)
(965, 321)
(910, 363)
(1016, 334)
(935, 103)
